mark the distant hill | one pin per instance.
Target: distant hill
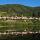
(19, 10)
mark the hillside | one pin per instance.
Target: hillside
(19, 10)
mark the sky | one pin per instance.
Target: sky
(32, 3)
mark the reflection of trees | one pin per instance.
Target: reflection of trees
(39, 14)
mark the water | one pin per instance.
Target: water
(21, 37)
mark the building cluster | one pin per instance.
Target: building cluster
(17, 33)
(15, 18)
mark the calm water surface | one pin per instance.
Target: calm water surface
(20, 37)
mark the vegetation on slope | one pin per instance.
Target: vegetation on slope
(19, 10)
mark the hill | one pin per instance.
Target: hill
(19, 10)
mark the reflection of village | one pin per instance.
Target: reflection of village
(7, 32)
(15, 18)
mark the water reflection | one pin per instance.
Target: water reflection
(21, 37)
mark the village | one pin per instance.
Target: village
(16, 17)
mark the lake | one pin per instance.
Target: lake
(21, 37)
